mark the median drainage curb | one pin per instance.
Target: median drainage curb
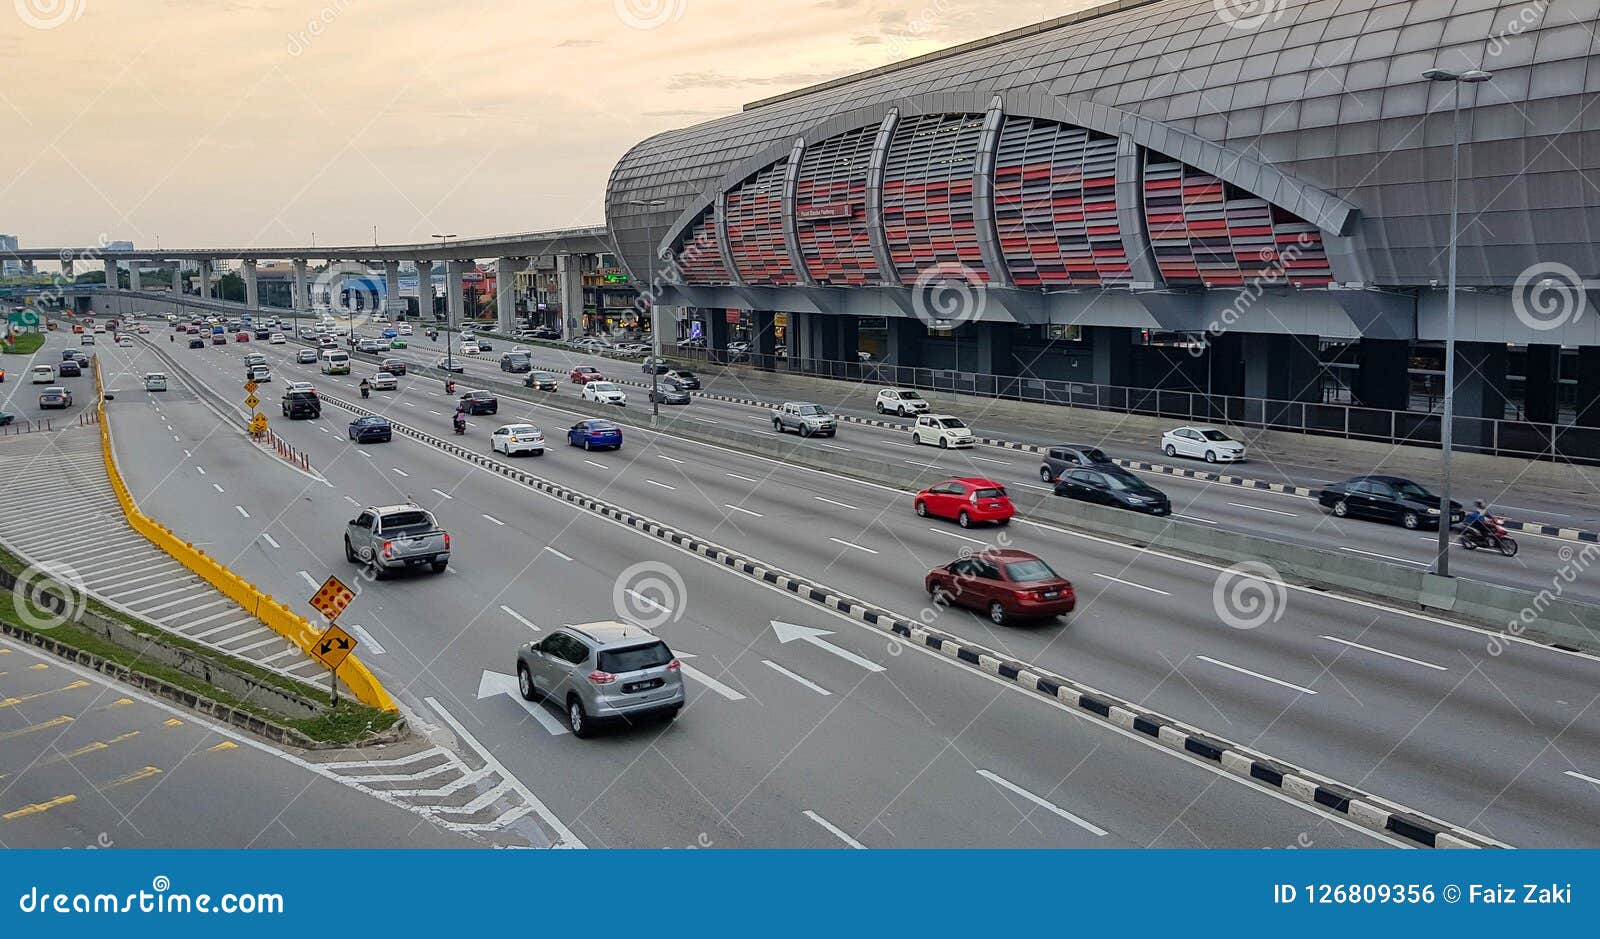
(1361, 808)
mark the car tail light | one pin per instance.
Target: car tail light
(388, 549)
(598, 677)
(447, 540)
(674, 665)
(973, 498)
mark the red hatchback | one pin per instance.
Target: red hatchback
(968, 500)
(1006, 584)
(242, 337)
(585, 374)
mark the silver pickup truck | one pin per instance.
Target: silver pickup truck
(805, 419)
(392, 537)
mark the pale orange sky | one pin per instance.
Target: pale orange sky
(261, 122)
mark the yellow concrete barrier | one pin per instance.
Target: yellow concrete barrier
(274, 615)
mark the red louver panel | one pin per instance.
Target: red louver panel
(1206, 232)
(1056, 207)
(699, 255)
(831, 209)
(755, 229)
(927, 195)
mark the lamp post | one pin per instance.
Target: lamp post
(1447, 430)
(444, 245)
(655, 332)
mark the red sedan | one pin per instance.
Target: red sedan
(585, 374)
(242, 337)
(968, 500)
(1006, 584)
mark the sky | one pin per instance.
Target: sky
(287, 122)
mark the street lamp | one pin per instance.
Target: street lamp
(1447, 431)
(655, 331)
(444, 245)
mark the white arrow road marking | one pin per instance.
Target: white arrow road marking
(1048, 806)
(787, 632)
(690, 671)
(834, 830)
(799, 678)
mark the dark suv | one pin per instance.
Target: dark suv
(480, 402)
(1064, 456)
(299, 404)
(515, 362)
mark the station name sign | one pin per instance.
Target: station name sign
(824, 210)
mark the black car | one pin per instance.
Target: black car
(480, 402)
(1386, 498)
(195, 342)
(263, 334)
(484, 345)
(669, 392)
(1114, 487)
(540, 381)
(373, 428)
(516, 362)
(69, 368)
(393, 367)
(1064, 456)
(298, 404)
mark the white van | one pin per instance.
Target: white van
(155, 381)
(335, 362)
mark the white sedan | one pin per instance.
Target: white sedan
(604, 392)
(943, 431)
(1202, 443)
(513, 439)
(276, 339)
(125, 343)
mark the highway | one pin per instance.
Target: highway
(1412, 709)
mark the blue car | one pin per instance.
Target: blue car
(373, 428)
(389, 334)
(595, 435)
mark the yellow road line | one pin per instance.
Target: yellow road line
(52, 722)
(38, 807)
(225, 745)
(38, 668)
(132, 777)
(13, 702)
(172, 722)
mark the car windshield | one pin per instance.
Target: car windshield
(910, 396)
(1215, 435)
(602, 426)
(1029, 571)
(543, 376)
(1410, 490)
(408, 521)
(683, 374)
(602, 386)
(951, 423)
(813, 410)
(634, 659)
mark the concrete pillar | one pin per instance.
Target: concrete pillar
(1382, 377)
(1282, 368)
(717, 329)
(569, 290)
(425, 290)
(391, 288)
(793, 335)
(903, 344)
(302, 287)
(1225, 365)
(848, 329)
(1541, 377)
(27, 267)
(252, 286)
(505, 292)
(1480, 391)
(994, 349)
(134, 283)
(1112, 348)
(763, 338)
(455, 297)
(112, 280)
(203, 279)
(1588, 403)
(66, 269)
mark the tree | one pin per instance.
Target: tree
(231, 287)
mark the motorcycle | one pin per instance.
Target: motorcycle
(460, 424)
(449, 387)
(1491, 534)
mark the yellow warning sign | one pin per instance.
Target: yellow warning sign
(251, 402)
(332, 597)
(258, 424)
(251, 386)
(334, 646)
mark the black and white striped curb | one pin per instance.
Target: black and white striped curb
(1361, 808)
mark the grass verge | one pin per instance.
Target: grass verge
(26, 344)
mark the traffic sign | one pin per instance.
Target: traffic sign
(251, 402)
(23, 319)
(251, 386)
(333, 647)
(258, 424)
(332, 597)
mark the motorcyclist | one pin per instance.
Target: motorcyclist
(449, 386)
(460, 419)
(366, 388)
(1476, 524)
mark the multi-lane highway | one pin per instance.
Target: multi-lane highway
(796, 743)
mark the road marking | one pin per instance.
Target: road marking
(1042, 803)
(1520, 508)
(218, 488)
(1129, 583)
(833, 830)
(351, 501)
(373, 645)
(839, 504)
(518, 617)
(745, 478)
(493, 519)
(401, 471)
(270, 540)
(325, 430)
(242, 511)
(952, 534)
(672, 459)
(595, 465)
(907, 446)
(493, 684)
(312, 581)
(443, 495)
(833, 447)
(788, 632)
(1574, 775)
(707, 420)
(736, 508)
(176, 437)
(558, 554)
(799, 678)
(987, 460)
(662, 485)
(1246, 671)
(647, 602)
(200, 469)
(1386, 557)
(851, 544)
(38, 807)
(1257, 508)
(1392, 655)
(431, 411)
(1195, 518)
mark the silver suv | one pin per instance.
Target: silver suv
(805, 419)
(602, 672)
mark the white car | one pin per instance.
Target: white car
(1203, 443)
(943, 431)
(604, 392)
(513, 439)
(294, 386)
(307, 332)
(306, 357)
(42, 374)
(383, 381)
(155, 381)
(125, 343)
(276, 339)
(468, 347)
(405, 329)
(259, 373)
(100, 330)
(901, 401)
(521, 350)
(255, 358)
